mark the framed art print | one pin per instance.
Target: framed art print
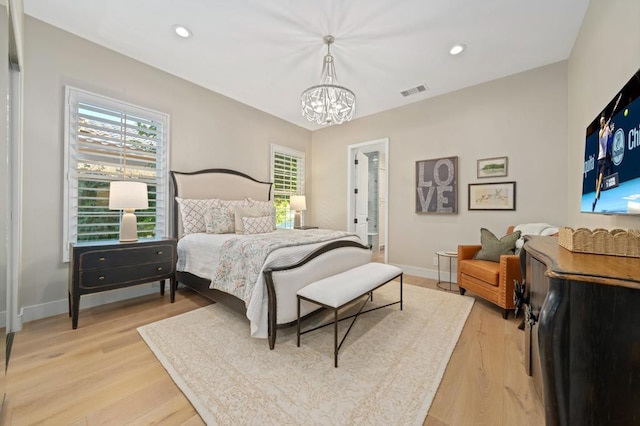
(492, 167)
(437, 185)
(492, 196)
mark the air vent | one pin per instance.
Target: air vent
(414, 90)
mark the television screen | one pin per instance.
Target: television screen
(611, 177)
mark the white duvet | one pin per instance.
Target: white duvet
(199, 254)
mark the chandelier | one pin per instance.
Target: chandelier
(328, 103)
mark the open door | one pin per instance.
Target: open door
(362, 198)
(368, 195)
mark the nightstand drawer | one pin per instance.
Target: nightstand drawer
(126, 275)
(125, 256)
(109, 265)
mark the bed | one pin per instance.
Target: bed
(299, 257)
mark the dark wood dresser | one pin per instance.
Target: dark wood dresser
(586, 342)
(101, 266)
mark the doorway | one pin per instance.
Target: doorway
(367, 212)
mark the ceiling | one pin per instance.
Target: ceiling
(265, 53)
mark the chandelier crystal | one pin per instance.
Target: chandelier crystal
(328, 103)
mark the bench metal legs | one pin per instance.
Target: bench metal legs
(298, 332)
(336, 348)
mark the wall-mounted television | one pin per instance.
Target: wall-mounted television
(611, 176)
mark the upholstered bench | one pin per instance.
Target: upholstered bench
(337, 291)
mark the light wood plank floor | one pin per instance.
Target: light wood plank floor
(104, 374)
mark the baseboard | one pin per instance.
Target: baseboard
(3, 320)
(45, 310)
(428, 273)
(58, 307)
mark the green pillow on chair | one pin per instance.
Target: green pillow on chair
(493, 248)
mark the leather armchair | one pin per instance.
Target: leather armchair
(493, 281)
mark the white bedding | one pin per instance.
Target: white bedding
(199, 254)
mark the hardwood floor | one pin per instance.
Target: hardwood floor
(378, 256)
(103, 372)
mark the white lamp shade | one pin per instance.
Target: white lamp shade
(128, 195)
(298, 202)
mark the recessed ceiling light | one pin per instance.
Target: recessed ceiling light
(182, 31)
(457, 49)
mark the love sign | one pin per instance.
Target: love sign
(436, 185)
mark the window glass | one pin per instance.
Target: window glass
(106, 141)
(287, 175)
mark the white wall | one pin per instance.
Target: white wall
(605, 56)
(522, 117)
(536, 118)
(207, 130)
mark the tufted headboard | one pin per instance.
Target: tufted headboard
(224, 184)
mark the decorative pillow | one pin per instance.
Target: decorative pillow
(257, 225)
(493, 248)
(266, 207)
(241, 212)
(192, 212)
(217, 220)
(220, 218)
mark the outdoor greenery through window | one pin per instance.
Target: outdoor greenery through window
(107, 141)
(287, 169)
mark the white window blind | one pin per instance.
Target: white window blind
(108, 140)
(287, 175)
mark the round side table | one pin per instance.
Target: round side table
(450, 255)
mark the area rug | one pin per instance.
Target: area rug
(390, 365)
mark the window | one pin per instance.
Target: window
(287, 175)
(107, 140)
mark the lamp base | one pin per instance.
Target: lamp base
(296, 220)
(129, 227)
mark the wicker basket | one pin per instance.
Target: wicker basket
(615, 242)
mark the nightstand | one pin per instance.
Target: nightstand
(305, 227)
(101, 266)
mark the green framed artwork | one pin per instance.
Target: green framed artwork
(492, 167)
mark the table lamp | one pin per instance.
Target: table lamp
(297, 203)
(128, 196)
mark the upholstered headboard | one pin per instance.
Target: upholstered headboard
(223, 184)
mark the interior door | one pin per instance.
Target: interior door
(10, 147)
(382, 208)
(362, 198)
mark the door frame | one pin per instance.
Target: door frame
(381, 145)
(14, 194)
(361, 199)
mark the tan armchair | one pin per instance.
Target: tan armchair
(492, 281)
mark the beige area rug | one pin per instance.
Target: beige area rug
(389, 370)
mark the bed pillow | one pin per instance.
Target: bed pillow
(192, 212)
(241, 212)
(493, 248)
(220, 217)
(266, 207)
(257, 225)
(217, 220)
